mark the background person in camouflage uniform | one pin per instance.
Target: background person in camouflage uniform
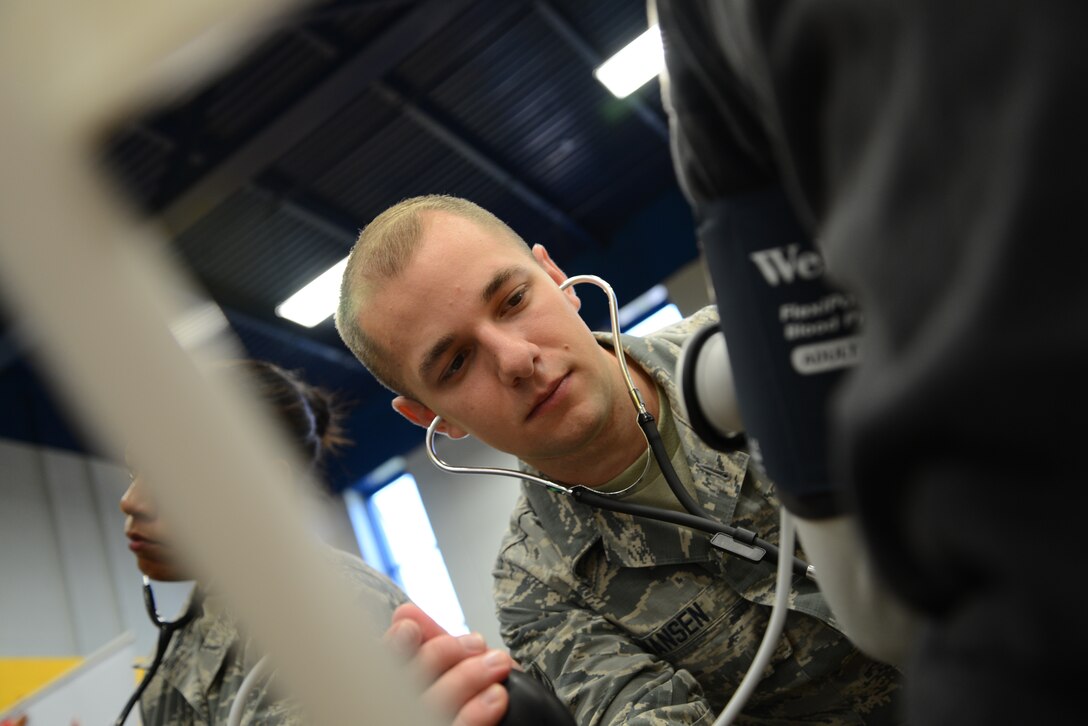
(208, 658)
(629, 621)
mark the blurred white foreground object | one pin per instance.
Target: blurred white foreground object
(94, 290)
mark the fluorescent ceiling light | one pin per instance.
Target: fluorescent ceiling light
(317, 301)
(639, 61)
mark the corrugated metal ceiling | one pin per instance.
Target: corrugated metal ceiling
(290, 153)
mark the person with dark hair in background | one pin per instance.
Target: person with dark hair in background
(935, 151)
(208, 659)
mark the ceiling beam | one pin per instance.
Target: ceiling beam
(470, 153)
(338, 8)
(402, 39)
(297, 342)
(300, 203)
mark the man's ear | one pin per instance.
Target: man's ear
(420, 415)
(545, 261)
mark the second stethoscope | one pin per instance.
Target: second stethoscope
(735, 540)
(167, 628)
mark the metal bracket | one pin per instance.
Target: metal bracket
(748, 552)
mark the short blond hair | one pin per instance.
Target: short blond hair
(383, 250)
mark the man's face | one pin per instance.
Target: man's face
(485, 338)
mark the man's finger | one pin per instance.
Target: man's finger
(404, 637)
(486, 709)
(427, 626)
(469, 680)
(441, 653)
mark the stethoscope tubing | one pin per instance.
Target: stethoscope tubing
(166, 634)
(585, 495)
(693, 518)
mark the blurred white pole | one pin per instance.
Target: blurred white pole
(92, 286)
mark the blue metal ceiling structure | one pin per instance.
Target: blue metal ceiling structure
(264, 176)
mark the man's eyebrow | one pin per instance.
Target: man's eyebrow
(433, 355)
(499, 279)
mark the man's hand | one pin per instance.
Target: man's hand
(465, 675)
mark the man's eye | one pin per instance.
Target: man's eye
(514, 300)
(455, 365)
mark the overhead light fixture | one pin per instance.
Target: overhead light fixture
(317, 300)
(638, 62)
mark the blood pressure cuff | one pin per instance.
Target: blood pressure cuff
(791, 337)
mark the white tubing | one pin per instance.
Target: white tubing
(774, 627)
(239, 706)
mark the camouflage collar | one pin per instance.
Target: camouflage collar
(633, 542)
(197, 655)
(717, 476)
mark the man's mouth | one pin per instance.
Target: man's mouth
(550, 396)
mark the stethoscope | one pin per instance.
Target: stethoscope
(167, 628)
(735, 540)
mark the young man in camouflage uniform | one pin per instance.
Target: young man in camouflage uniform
(630, 621)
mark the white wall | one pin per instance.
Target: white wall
(469, 515)
(68, 584)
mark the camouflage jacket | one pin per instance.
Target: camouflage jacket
(633, 621)
(208, 659)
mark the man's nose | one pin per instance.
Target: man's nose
(515, 356)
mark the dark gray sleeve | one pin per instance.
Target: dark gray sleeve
(953, 167)
(938, 149)
(941, 146)
(719, 144)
